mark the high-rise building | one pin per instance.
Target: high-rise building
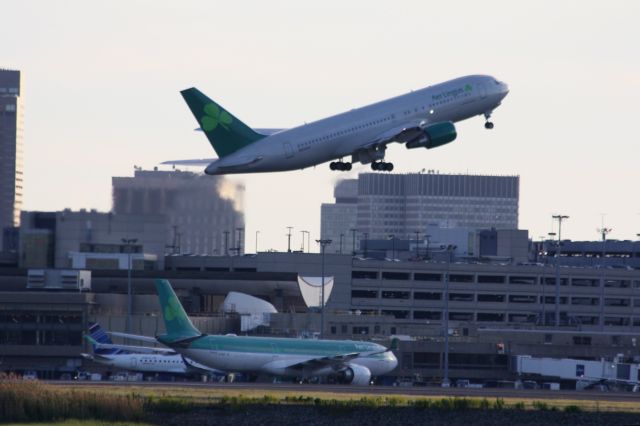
(338, 220)
(401, 204)
(11, 130)
(204, 213)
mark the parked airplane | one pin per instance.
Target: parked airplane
(420, 119)
(139, 358)
(351, 361)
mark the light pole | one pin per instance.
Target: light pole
(341, 238)
(392, 237)
(366, 238)
(445, 379)
(226, 243)
(240, 239)
(289, 239)
(559, 218)
(129, 242)
(353, 235)
(257, 232)
(323, 244)
(604, 232)
(305, 232)
(417, 244)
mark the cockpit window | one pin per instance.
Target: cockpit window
(496, 82)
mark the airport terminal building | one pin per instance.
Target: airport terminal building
(494, 311)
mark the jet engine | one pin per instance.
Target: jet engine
(355, 374)
(434, 136)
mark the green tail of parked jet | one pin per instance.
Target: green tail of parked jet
(350, 361)
(225, 132)
(421, 119)
(176, 321)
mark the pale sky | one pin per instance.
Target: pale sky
(102, 82)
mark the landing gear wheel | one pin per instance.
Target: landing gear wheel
(388, 167)
(488, 125)
(347, 166)
(374, 167)
(332, 165)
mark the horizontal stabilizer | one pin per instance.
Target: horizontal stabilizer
(197, 162)
(139, 337)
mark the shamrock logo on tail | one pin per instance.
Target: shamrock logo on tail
(467, 87)
(214, 117)
(172, 309)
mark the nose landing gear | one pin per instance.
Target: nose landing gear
(488, 124)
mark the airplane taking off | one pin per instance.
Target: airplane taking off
(351, 361)
(420, 119)
(139, 358)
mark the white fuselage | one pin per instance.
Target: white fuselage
(344, 134)
(277, 363)
(145, 363)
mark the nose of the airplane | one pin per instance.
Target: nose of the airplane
(504, 89)
(393, 361)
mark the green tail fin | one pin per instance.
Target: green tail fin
(225, 132)
(176, 321)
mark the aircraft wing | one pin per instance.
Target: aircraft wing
(403, 133)
(325, 361)
(130, 348)
(137, 349)
(195, 365)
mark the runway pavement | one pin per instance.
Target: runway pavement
(379, 390)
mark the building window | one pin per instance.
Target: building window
(461, 316)
(397, 314)
(360, 330)
(389, 294)
(589, 301)
(427, 315)
(582, 340)
(616, 321)
(617, 283)
(552, 300)
(427, 295)
(365, 294)
(616, 301)
(522, 298)
(523, 280)
(490, 317)
(427, 277)
(364, 275)
(343, 329)
(491, 279)
(523, 318)
(461, 297)
(333, 329)
(552, 281)
(460, 278)
(583, 282)
(395, 275)
(498, 298)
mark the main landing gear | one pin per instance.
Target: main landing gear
(381, 166)
(488, 124)
(339, 165)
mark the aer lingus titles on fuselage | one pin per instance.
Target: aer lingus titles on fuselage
(420, 119)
